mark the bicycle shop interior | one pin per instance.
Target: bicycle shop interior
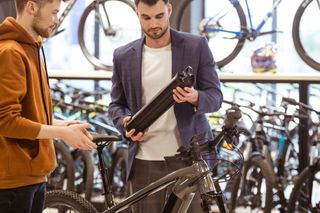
(292, 78)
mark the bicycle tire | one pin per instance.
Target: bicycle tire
(84, 165)
(298, 42)
(64, 201)
(240, 15)
(240, 182)
(65, 169)
(97, 62)
(297, 202)
(119, 173)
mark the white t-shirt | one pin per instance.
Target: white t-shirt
(163, 137)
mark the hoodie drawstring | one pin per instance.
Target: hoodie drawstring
(41, 83)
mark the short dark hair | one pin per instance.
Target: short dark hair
(20, 4)
(149, 2)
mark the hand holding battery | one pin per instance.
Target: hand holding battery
(140, 136)
(161, 102)
(186, 94)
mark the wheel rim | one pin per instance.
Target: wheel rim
(126, 30)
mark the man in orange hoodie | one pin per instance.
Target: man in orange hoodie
(27, 153)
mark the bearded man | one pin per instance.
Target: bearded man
(141, 69)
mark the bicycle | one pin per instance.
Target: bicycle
(227, 29)
(101, 29)
(304, 196)
(253, 188)
(63, 177)
(268, 170)
(194, 176)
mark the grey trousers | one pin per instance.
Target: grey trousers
(143, 173)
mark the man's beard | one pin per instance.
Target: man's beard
(43, 32)
(157, 36)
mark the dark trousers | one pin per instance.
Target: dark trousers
(145, 172)
(26, 199)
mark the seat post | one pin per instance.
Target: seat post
(105, 179)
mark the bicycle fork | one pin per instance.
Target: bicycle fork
(201, 181)
(217, 195)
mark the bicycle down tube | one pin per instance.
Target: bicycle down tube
(182, 188)
(257, 29)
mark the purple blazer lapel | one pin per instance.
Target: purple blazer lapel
(177, 52)
(136, 57)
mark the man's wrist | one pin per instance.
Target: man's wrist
(51, 132)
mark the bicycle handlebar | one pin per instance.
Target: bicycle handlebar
(262, 114)
(295, 103)
(232, 117)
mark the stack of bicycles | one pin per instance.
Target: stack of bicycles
(270, 178)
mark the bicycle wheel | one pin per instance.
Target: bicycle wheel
(67, 201)
(102, 28)
(305, 32)
(253, 189)
(224, 26)
(119, 174)
(83, 172)
(305, 196)
(63, 176)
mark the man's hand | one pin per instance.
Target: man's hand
(77, 136)
(187, 94)
(134, 137)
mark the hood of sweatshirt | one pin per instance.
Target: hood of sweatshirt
(10, 29)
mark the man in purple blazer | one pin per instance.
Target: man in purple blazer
(143, 67)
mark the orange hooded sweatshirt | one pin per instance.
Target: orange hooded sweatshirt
(25, 104)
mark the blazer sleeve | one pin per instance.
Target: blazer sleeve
(118, 108)
(208, 83)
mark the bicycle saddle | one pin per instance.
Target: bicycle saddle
(162, 101)
(103, 139)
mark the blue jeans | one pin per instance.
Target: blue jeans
(26, 199)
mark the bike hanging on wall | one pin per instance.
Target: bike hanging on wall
(103, 27)
(228, 27)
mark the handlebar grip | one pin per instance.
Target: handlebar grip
(289, 100)
(232, 117)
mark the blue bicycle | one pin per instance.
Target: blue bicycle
(228, 27)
